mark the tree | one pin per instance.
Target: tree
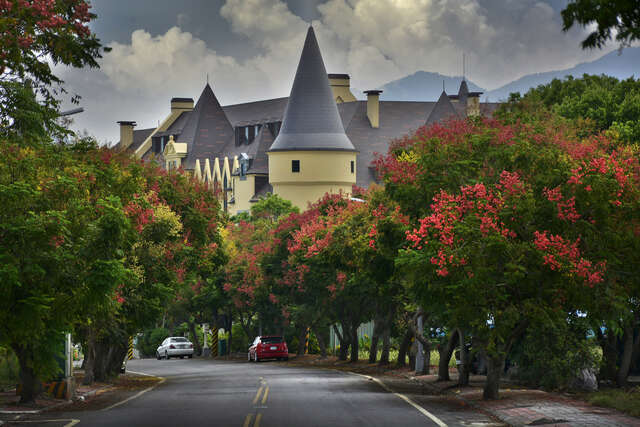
(36, 33)
(621, 17)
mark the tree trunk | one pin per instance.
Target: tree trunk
(31, 386)
(196, 341)
(445, 356)
(89, 359)
(386, 343)
(495, 365)
(373, 349)
(344, 343)
(302, 334)
(625, 360)
(354, 343)
(404, 348)
(609, 354)
(322, 343)
(463, 368)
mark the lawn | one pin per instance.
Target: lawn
(624, 400)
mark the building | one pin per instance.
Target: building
(320, 139)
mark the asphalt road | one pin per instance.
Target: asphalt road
(218, 393)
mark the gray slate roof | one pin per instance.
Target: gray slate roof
(443, 110)
(207, 131)
(139, 136)
(311, 120)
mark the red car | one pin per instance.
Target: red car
(268, 347)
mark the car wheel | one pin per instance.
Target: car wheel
(190, 356)
(166, 355)
(158, 356)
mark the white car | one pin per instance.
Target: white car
(175, 347)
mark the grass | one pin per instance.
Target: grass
(624, 400)
(393, 357)
(9, 369)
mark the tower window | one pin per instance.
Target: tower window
(295, 165)
(353, 166)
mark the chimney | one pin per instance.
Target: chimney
(126, 134)
(181, 104)
(373, 107)
(340, 86)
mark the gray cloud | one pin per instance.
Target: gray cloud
(250, 48)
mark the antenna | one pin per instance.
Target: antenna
(463, 67)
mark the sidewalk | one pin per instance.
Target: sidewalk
(519, 406)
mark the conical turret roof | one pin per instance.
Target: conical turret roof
(463, 92)
(311, 120)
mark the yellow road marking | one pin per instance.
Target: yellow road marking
(258, 418)
(266, 393)
(255, 399)
(247, 420)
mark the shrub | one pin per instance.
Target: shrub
(553, 351)
(150, 340)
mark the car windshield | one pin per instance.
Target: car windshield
(180, 339)
(271, 340)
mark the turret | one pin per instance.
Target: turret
(311, 155)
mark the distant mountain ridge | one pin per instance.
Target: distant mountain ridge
(620, 66)
(427, 86)
(423, 86)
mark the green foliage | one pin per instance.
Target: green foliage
(272, 207)
(596, 102)
(9, 369)
(619, 17)
(553, 351)
(150, 339)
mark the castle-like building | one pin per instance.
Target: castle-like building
(320, 139)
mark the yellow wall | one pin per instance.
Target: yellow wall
(340, 88)
(320, 172)
(243, 191)
(473, 106)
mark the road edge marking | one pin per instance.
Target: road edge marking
(140, 393)
(407, 399)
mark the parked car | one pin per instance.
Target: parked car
(268, 347)
(175, 347)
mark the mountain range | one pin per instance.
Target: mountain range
(427, 86)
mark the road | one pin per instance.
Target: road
(200, 392)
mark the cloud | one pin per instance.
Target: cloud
(375, 41)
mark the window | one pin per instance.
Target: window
(295, 165)
(353, 166)
(246, 134)
(162, 144)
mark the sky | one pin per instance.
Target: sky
(249, 49)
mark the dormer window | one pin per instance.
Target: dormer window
(244, 166)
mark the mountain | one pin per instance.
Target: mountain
(426, 86)
(613, 64)
(423, 86)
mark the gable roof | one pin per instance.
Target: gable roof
(139, 136)
(207, 130)
(311, 120)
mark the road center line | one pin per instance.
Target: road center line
(407, 399)
(255, 399)
(247, 420)
(266, 393)
(258, 418)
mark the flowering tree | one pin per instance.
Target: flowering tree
(509, 232)
(35, 34)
